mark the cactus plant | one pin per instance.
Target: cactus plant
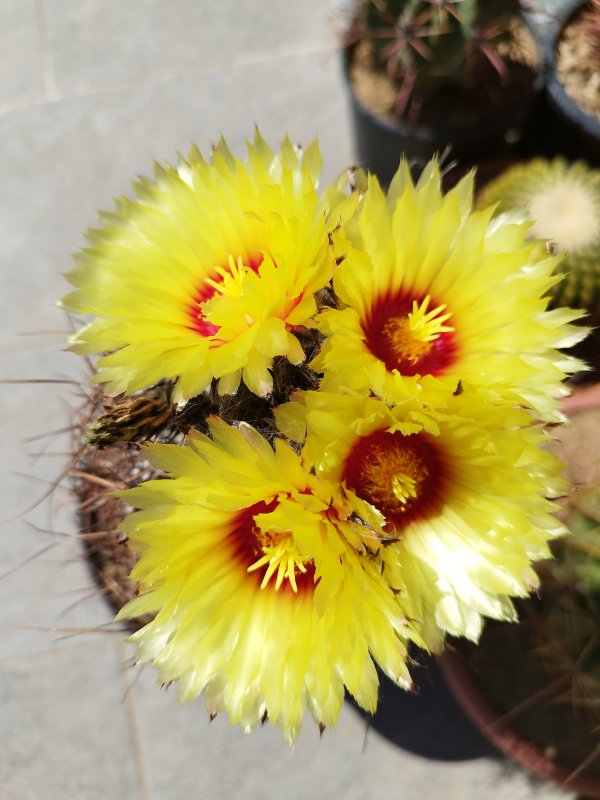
(426, 44)
(563, 202)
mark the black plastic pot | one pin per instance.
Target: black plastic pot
(379, 144)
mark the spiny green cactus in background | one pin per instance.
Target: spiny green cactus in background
(582, 549)
(424, 44)
(563, 202)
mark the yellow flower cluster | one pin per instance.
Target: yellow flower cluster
(404, 497)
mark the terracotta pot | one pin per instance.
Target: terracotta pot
(513, 693)
(498, 730)
(583, 397)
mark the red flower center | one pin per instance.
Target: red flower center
(206, 291)
(405, 477)
(408, 332)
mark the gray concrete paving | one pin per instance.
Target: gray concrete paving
(90, 92)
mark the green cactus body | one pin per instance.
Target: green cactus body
(429, 43)
(584, 544)
(563, 202)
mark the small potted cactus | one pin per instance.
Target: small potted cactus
(427, 76)
(573, 84)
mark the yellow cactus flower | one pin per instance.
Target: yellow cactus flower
(433, 293)
(268, 591)
(465, 494)
(209, 271)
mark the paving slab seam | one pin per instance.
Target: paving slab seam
(45, 53)
(169, 76)
(133, 723)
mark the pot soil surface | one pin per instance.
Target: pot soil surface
(578, 61)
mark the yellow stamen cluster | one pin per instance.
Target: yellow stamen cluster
(393, 475)
(232, 279)
(411, 336)
(282, 557)
(404, 487)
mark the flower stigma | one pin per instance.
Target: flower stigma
(404, 487)
(393, 476)
(410, 334)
